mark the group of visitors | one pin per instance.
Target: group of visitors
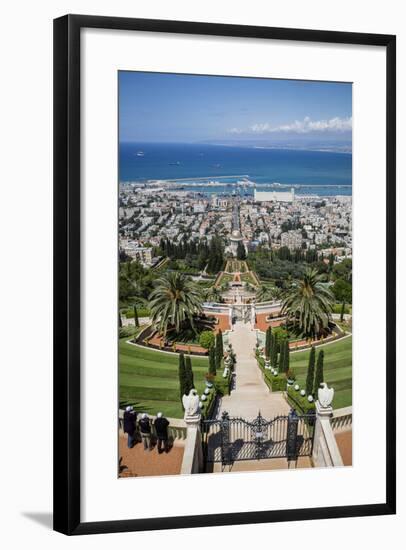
(145, 428)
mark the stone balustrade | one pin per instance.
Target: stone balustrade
(342, 419)
(325, 449)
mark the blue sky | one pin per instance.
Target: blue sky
(161, 107)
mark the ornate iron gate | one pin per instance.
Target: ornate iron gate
(230, 439)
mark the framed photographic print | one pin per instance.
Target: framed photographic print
(224, 213)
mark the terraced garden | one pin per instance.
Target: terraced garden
(149, 379)
(337, 369)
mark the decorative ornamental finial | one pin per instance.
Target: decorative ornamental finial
(325, 395)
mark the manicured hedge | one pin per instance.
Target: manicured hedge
(208, 405)
(300, 402)
(222, 385)
(278, 382)
(274, 383)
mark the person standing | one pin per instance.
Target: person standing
(130, 417)
(145, 429)
(161, 427)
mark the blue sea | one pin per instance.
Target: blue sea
(313, 172)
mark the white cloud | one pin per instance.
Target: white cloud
(235, 131)
(304, 126)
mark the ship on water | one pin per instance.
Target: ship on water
(140, 153)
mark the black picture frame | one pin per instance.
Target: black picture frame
(67, 272)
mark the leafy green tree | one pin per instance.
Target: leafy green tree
(212, 361)
(318, 379)
(310, 371)
(342, 291)
(207, 339)
(309, 304)
(182, 376)
(216, 255)
(190, 384)
(175, 302)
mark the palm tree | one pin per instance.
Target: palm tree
(212, 294)
(175, 301)
(309, 304)
(266, 293)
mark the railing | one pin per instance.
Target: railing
(216, 308)
(267, 306)
(342, 419)
(176, 428)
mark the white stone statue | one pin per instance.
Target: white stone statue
(191, 403)
(325, 395)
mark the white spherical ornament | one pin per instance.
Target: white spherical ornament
(296, 387)
(203, 397)
(302, 393)
(200, 404)
(310, 398)
(207, 391)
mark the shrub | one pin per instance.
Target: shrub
(208, 405)
(207, 339)
(278, 383)
(142, 312)
(280, 333)
(300, 402)
(126, 332)
(290, 375)
(337, 308)
(222, 385)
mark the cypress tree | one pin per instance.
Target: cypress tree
(120, 322)
(282, 356)
(136, 320)
(212, 361)
(310, 371)
(189, 374)
(318, 379)
(287, 359)
(268, 338)
(182, 376)
(219, 349)
(274, 351)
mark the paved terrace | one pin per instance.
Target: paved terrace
(251, 394)
(137, 462)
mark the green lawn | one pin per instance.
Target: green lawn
(249, 278)
(337, 369)
(149, 379)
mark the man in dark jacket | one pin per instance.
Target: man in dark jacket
(130, 417)
(145, 429)
(161, 428)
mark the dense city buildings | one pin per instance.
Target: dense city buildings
(272, 219)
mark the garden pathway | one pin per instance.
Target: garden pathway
(250, 394)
